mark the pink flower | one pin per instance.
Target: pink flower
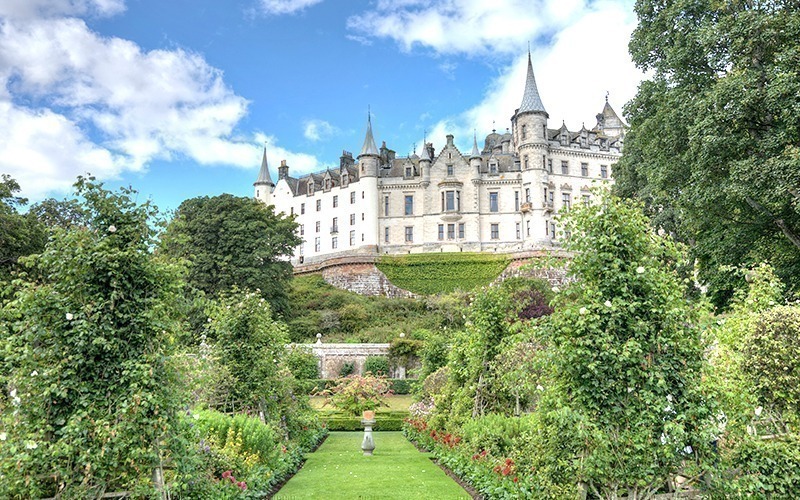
(227, 474)
(242, 485)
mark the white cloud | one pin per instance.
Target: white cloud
(586, 58)
(318, 130)
(73, 101)
(50, 8)
(278, 7)
(465, 26)
(299, 163)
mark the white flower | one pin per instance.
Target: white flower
(555, 289)
(34, 373)
(539, 388)
(196, 416)
(758, 411)
(630, 389)
(16, 401)
(31, 445)
(3, 436)
(688, 450)
(663, 439)
(640, 270)
(13, 393)
(669, 398)
(583, 310)
(209, 320)
(112, 229)
(608, 303)
(69, 316)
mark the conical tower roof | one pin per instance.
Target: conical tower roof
(475, 152)
(369, 147)
(531, 102)
(263, 175)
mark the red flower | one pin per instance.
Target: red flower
(516, 479)
(242, 485)
(227, 474)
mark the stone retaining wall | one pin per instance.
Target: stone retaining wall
(333, 356)
(363, 279)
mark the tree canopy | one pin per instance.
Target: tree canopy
(713, 144)
(20, 234)
(233, 241)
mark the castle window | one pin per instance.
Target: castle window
(386, 235)
(451, 231)
(291, 211)
(352, 237)
(524, 132)
(317, 226)
(519, 232)
(310, 187)
(335, 201)
(408, 171)
(493, 204)
(258, 193)
(409, 210)
(604, 171)
(362, 195)
(493, 167)
(319, 205)
(585, 169)
(547, 228)
(328, 184)
(550, 166)
(302, 208)
(409, 234)
(552, 229)
(386, 206)
(527, 195)
(335, 225)
(316, 244)
(450, 170)
(441, 231)
(564, 167)
(362, 216)
(516, 201)
(302, 229)
(565, 200)
(587, 200)
(334, 242)
(352, 197)
(352, 219)
(345, 180)
(495, 231)
(461, 230)
(451, 201)
(526, 162)
(528, 228)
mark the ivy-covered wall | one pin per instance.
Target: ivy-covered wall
(428, 274)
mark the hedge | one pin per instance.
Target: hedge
(433, 273)
(354, 423)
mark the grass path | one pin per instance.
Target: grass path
(338, 470)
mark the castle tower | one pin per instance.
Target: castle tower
(425, 164)
(475, 160)
(264, 185)
(369, 158)
(530, 120)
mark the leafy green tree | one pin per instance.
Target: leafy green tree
(627, 359)
(713, 144)
(234, 241)
(90, 400)
(252, 346)
(59, 213)
(20, 234)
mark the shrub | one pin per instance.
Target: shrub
(761, 469)
(346, 369)
(377, 365)
(771, 358)
(353, 318)
(354, 394)
(403, 351)
(303, 364)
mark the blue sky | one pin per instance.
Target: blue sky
(177, 98)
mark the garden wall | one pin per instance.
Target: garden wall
(333, 356)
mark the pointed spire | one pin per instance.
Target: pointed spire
(475, 152)
(263, 175)
(531, 102)
(425, 154)
(369, 147)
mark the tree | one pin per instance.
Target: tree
(627, 358)
(20, 234)
(234, 241)
(92, 403)
(713, 145)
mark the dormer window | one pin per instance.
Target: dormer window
(345, 180)
(409, 172)
(493, 167)
(310, 187)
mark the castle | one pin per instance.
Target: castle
(501, 198)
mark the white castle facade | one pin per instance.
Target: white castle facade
(501, 198)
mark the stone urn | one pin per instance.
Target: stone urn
(368, 420)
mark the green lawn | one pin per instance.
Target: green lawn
(339, 470)
(396, 403)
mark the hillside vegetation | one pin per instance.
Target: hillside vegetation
(427, 274)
